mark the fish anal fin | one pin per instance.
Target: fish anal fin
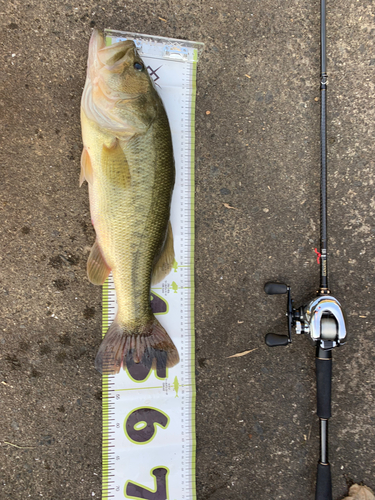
(165, 261)
(86, 168)
(97, 268)
(114, 164)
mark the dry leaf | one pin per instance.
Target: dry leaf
(248, 76)
(208, 112)
(239, 354)
(19, 447)
(161, 19)
(357, 492)
(240, 322)
(226, 205)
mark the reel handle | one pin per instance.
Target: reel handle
(272, 339)
(275, 288)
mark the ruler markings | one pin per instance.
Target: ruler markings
(184, 279)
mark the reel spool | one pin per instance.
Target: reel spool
(328, 329)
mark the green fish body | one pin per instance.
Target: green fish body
(128, 163)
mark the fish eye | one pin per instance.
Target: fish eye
(138, 66)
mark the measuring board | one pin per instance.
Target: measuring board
(149, 418)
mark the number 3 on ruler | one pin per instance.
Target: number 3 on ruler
(140, 428)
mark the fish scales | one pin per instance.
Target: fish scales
(130, 218)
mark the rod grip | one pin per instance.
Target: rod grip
(323, 387)
(323, 483)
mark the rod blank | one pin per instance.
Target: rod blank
(323, 152)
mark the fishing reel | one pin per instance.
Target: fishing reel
(322, 319)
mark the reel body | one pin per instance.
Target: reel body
(322, 320)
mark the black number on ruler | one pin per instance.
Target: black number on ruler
(134, 490)
(151, 417)
(139, 372)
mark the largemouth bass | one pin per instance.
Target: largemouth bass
(127, 160)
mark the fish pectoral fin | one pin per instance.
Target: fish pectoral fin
(115, 165)
(165, 262)
(86, 168)
(97, 268)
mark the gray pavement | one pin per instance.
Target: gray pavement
(258, 151)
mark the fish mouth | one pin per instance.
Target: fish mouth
(103, 60)
(110, 56)
(99, 101)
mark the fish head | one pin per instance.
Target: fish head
(119, 93)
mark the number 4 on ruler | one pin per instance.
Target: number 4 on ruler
(138, 492)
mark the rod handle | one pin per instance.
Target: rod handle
(323, 386)
(323, 482)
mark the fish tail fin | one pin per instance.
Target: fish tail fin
(149, 347)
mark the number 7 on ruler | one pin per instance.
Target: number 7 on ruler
(136, 491)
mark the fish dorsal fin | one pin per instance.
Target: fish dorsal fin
(86, 168)
(165, 262)
(114, 164)
(97, 268)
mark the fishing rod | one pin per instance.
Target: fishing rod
(322, 319)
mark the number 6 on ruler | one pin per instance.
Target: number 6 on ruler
(140, 424)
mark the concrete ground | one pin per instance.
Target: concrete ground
(258, 151)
